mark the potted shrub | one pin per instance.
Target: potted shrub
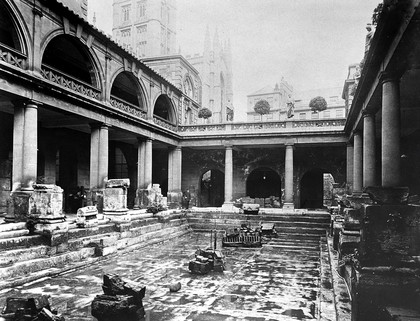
(262, 107)
(204, 113)
(318, 104)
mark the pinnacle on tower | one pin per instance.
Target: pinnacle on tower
(216, 42)
(207, 44)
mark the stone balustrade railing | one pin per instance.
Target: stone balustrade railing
(127, 107)
(164, 123)
(12, 57)
(69, 82)
(265, 127)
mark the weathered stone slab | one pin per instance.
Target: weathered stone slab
(46, 200)
(87, 216)
(118, 182)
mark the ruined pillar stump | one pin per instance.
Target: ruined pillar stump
(115, 200)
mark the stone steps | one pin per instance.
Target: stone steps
(12, 256)
(28, 258)
(21, 241)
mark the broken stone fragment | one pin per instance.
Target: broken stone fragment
(29, 308)
(175, 287)
(118, 182)
(114, 285)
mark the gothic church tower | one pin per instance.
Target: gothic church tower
(215, 69)
(147, 27)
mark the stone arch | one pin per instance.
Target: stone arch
(13, 30)
(212, 188)
(164, 108)
(313, 188)
(127, 87)
(68, 54)
(263, 182)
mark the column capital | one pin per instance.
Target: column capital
(99, 126)
(27, 103)
(228, 146)
(367, 113)
(385, 76)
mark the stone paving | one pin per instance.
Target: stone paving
(268, 283)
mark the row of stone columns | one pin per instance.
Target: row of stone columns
(25, 137)
(361, 157)
(288, 185)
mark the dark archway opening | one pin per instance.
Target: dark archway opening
(8, 33)
(160, 169)
(262, 183)
(163, 108)
(64, 54)
(125, 88)
(212, 188)
(315, 188)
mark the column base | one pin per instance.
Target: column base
(288, 206)
(118, 216)
(174, 199)
(18, 209)
(228, 207)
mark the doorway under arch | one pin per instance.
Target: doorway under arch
(315, 188)
(262, 183)
(212, 188)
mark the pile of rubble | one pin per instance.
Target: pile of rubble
(34, 308)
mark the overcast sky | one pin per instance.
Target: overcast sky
(308, 42)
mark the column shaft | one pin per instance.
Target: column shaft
(228, 174)
(30, 145)
(390, 133)
(369, 168)
(288, 176)
(148, 164)
(177, 169)
(358, 163)
(171, 153)
(18, 123)
(94, 155)
(141, 164)
(350, 163)
(103, 156)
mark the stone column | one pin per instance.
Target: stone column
(358, 163)
(228, 176)
(174, 178)
(350, 163)
(141, 150)
(25, 155)
(170, 170)
(30, 146)
(177, 168)
(18, 129)
(369, 168)
(98, 164)
(103, 156)
(94, 157)
(391, 175)
(288, 178)
(148, 164)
